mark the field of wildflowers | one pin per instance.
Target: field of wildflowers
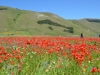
(46, 55)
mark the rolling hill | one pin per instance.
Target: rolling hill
(16, 22)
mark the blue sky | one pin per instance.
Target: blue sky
(68, 9)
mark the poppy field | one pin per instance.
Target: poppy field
(49, 55)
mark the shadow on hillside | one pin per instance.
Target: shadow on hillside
(50, 28)
(49, 22)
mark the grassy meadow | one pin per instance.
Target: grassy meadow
(43, 43)
(15, 21)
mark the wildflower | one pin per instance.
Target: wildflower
(12, 63)
(85, 66)
(21, 63)
(94, 70)
(28, 42)
(12, 74)
(0, 61)
(97, 58)
(89, 61)
(58, 66)
(46, 63)
(98, 69)
(47, 69)
(18, 51)
(51, 51)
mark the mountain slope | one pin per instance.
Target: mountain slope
(14, 21)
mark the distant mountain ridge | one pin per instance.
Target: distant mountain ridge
(14, 21)
(93, 20)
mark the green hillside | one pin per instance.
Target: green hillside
(14, 21)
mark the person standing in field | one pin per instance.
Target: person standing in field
(99, 35)
(82, 35)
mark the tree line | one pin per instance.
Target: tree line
(3, 8)
(94, 20)
(49, 22)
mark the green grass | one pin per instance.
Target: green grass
(47, 65)
(16, 20)
(37, 60)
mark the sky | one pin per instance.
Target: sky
(67, 9)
